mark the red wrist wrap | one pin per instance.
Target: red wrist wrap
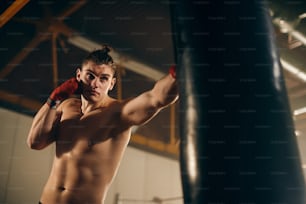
(53, 103)
(172, 71)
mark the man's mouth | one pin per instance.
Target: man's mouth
(92, 92)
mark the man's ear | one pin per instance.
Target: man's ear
(112, 83)
(78, 74)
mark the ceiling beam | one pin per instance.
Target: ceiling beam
(290, 28)
(43, 33)
(20, 100)
(22, 55)
(77, 5)
(11, 11)
(155, 145)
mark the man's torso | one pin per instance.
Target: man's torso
(88, 152)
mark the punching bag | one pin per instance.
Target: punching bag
(237, 134)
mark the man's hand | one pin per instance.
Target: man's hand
(63, 91)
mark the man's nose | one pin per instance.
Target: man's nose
(95, 82)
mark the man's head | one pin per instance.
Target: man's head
(97, 74)
(99, 57)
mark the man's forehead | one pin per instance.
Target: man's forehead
(103, 68)
(94, 65)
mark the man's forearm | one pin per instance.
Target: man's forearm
(166, 90)
(40, 134)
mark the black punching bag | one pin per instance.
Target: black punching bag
(237, 135)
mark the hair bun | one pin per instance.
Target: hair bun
(105, 48)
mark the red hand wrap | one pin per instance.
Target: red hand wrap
(63, 91)
(172, 71)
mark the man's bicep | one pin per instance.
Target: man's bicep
(139, 110)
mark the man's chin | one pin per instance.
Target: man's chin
(92, 98)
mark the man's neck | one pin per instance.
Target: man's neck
(88, 106)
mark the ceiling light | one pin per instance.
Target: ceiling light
(293, 70)
(299, 111)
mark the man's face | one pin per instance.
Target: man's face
(97, 80)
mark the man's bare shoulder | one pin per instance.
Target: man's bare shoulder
(115, 105)
(119, 104)
(69, 102)
(125, 101)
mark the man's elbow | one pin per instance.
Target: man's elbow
(34, 145)
(167, 101)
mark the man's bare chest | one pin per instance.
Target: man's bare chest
(94, 128)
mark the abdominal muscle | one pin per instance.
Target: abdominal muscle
(83, 174)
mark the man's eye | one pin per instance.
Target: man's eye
(90, 76)
(103, 78)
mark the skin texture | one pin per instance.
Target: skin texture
(91, 134)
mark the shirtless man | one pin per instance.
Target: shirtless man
(91, 133)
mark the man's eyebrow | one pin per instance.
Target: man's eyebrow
(88, 70)
(105, 75)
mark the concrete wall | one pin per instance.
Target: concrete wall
(143, 176)
(23, 172)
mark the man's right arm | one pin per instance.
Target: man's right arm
(43, 129)
(42, 132)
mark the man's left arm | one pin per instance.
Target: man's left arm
(142, 108)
